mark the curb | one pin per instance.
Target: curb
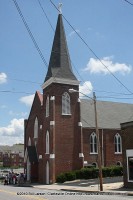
(99, 192)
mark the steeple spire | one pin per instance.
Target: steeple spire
(60, 64)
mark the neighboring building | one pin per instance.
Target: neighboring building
(12, 156)
(127, 138)
(60, 131)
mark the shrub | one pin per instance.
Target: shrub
(89, 173)
(61, 178)
(106, 171)
(70, 176)
(116, 171)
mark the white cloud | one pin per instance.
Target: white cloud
(95, 66)
(73, 32)
(12, 133)
(28, 100)
(86, 88)
(3, 78)
(22, 114)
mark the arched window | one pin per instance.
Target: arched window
(47, 106)
(93, 143)
(119, 163)
(47, 142)
(66, 104)
(118, 143)
(36, 128)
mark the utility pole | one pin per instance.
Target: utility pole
(98, 143)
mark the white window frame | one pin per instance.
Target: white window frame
(66, 104)
(93, 149)
(47, 106)
(47, 142)
(118, 143)
(36, 128)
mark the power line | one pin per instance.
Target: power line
(18, 92)
(30, 33)
(45, 14)
(129, 2)
(25, 81)
(91, 50)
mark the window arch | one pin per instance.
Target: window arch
(93, 143)
(47, 106)
(66, 110)
(118, 143)
(36, 128)
(119, 163)
(47, 142)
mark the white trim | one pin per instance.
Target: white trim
(41, 126)
(79, 123)
(93, 153)
(52, 98)
(52, 123)
(47, 142)
(40, 156)
(129, 153)
(60, 80)
(52, 156)
(81, 155)
(79, 100)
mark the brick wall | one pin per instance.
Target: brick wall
(109, 157)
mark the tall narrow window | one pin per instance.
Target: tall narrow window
(47, 142)
(36, 128)
(93, 143)
(66, 104)
(47, 106)
(118, 143)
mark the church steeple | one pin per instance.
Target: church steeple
(60, 64)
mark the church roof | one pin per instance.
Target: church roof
(110, 114)
(60, 64)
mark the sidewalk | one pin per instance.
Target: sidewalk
(109, 187)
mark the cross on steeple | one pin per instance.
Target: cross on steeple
(59, 8)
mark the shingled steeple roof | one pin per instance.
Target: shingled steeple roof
(60, 64)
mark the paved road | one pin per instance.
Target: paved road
(27, 193)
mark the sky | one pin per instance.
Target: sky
(101, 57)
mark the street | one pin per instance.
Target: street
(27, 193)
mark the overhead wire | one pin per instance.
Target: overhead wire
(91, 49)
(128, 2)
(30, 33)
(32, 37)
(45, 15)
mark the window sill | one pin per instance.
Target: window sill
(66, 114)
(117, 153)
(95, 153)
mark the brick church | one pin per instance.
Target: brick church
(59, 134)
